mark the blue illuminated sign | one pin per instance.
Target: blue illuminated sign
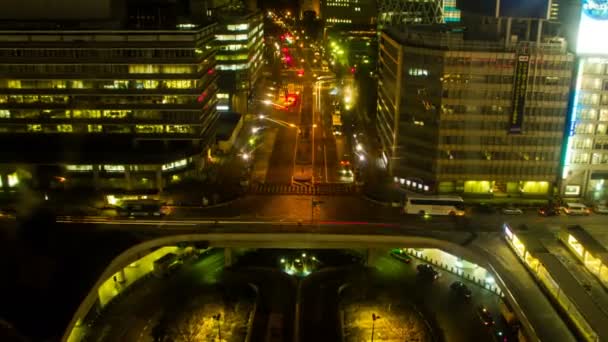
(596, 9)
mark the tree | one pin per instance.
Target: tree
(189, 328)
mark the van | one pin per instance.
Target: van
(575, 209)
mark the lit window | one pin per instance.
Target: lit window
(224, 37)
(147, 129)
(95, 128)
(5, 113)
(79, 168)
(222, 95)
(232, 66)
(143, 69)
(13, 180)
(116, 114)
(239, 27)
(65, 128)
(178, 84)
(114, 168)
(175, 164)
(16, 84)
(179, 129)
(34, 128)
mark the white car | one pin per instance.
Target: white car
(512, 211)
(600, 209)
(576, 209)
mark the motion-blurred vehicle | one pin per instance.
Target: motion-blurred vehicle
(548, 211)
(600, 209)
(575, 209)
(485, 316)
(461, 289)
(401, 255)
(427, 271)
(512, 211)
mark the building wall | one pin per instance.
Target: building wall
(239, 57)
(132, 87)
(360, 12)
(444, 117)
(586, 159)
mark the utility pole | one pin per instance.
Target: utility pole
(374, 318)
(219, 331)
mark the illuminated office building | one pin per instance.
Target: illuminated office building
(585, 172)
(457, 115)
(356, 12)
(102, 104)
(406, 12)
(239, 41)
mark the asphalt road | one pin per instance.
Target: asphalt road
(457, 318)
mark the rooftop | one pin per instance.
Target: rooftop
(457, 38)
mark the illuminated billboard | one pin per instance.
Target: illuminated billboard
(593, 27)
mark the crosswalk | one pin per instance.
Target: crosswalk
(304, 189)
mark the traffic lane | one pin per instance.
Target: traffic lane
(457, 318)
(320, 302)
(280, 165)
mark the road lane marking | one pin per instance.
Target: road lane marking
(325, 161)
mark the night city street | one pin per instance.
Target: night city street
(311, 170)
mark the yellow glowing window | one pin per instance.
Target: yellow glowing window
(34, 128)
(64, 128)
(16, 84)
(79, 168)
(13, 180)
(143, 69)
(147, 129)
(95, 128)
(116, 114)
(86, 114)
(181, 129)
(178, 84)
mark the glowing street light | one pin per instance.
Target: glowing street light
(261, 116)
(245, 156)
(359, 147)
(254, 130)
(361, 157)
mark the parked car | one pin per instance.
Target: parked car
(427, 271)
(461, 289)
(575, 209)
(485, 316)
(548, 211)
(600, 209)
(512, 211)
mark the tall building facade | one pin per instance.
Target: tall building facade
(106, 108)
(585, 172)
(463, 116)
(406, 12)
(240, 46)
(357, 12)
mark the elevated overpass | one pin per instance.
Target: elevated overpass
(539, 319)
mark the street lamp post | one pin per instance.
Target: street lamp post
(219, 331)
(374, 318)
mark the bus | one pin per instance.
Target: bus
(434, 205)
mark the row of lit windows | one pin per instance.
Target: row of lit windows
(589, 83)
(69, 128)
(339, 21)
(99, 53)
(588, 143)
(592, 114)
(511, 170)
(122, 168)
(586, 158)
(495, 62)
(489, 94)
(593, 99)
(30, 99)
(80, 69)
(514, 140)
(595, 66)
(98, 114)
(232, 57)
(98, 84)
(502, 125)
(498, 156)
(590, 128)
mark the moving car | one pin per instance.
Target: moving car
(600, 209)
(461, 289)
(548, 211)
(485, 316)
(512, 211)
(401, 255)
(576, 209)
(426, 271)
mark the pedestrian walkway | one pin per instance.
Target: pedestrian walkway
(262, 156)
(296, 189)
